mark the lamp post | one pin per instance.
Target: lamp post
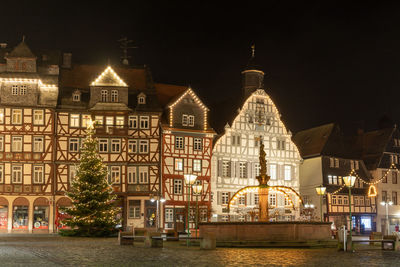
(321, 192)
(197, 190)
(309, 210)
(349, 182)
(158, 199)
(190, 179)
(387, 204)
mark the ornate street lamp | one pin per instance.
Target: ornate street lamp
(190, 179)
(387, 204)
(349, 182)
(321, 192)
(197, 189)
(158, 199)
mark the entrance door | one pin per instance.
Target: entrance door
(150, 214)
(180, 220)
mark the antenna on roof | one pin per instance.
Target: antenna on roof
(125, 46)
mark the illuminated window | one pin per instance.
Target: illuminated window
(142, 100)
(288, 173)
(197, 143)
(1, 173)
(243, 169)
(256, 199)
(197, 165)
(114, 176)
(272, 199)
(16, 144)
(178, 164)
(98, 120)
(226, 168)
(14, 90)
(85, 120)
(257, 169)
(169, 215)
(134, 209)
(119, 121)
(132, 146)
(38, 117)
(184, 120)
(1, 115)
(76, 96)
(72, 173)
(74, 120)
(1, 143)
(16, 116)
(22, 90)
(272, 171)
(224, 198)
(242, 200)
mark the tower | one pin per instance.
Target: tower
(252, 76)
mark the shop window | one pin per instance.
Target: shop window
(41, 217)
(20, 217)
(3, 216)
(134, 209)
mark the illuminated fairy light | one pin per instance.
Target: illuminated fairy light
(20, 80)
(107, 71)
(372, 192)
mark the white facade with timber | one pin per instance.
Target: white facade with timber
(235, 162)
(187, 141)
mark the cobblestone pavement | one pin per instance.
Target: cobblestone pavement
(67, 251)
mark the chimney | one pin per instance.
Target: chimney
(67, 60)
(3, 45)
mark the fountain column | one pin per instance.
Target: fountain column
(263, 188)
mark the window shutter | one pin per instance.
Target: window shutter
(249, 170)
(293, 172)
(237, 169)
(218, 197)
(219, 168)
(232, 168)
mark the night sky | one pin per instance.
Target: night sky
(326, 61)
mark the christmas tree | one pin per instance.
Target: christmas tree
(93, 211)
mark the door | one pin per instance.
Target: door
(150, 214)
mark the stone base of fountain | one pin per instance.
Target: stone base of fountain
(270, 234)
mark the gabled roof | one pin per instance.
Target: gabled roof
(108, 78)
(167, 92)
(311, 142)
(375, 144)
(21, 50)
(179, 97)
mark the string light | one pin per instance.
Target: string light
(107, 71)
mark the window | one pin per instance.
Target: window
(1, 115)
(242, 169)
(74, 120)
(280, 145)
(38, 142)
(143, 146)
(179, 143)
(361, 200)
(288, 173)
(143, 175)
(134, 209)
(119, 121)
(114, 176)
(384, 174)
(38, 176)
(14, 90)
(132, 146)
(191, 120)
(169, 215)
(76, 96)
(73, 145)
(38, 117)
(197, 143)
(142, 100)
(109, 123)
(394, 177)
(115, 145)
(16, 144)
(345, 200)
(394, 159)
(257, 169)
(340, 200)
(394, 197)
(132, 175)
(384, 196)
(235, 140)
(16, 174)
(334, 200)
(103, 145)
(114, 96)
(133, 122)
(72, 173)
(224, 198)
(104, 96)
(256, 198)
(22, 90)
(16, 116)
(336, 163)
(184, 120)
(144, 122)
(178, 164)
(98, 120)
(1, 143)
(177, 186)
(85, 120)
(197, 165)
(272, 171)
(1, 173)
(272, 199)
(226, 168)
(242, 200)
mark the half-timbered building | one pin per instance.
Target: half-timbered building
(328, 156)
(187, 140)
(123, 103)
(28, 98)
(235, 162)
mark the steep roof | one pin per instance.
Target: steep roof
(374, 145)
(312, 142)
(21, 50)
(167, 92)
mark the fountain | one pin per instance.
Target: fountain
(264, 233)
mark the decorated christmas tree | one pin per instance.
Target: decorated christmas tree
(93, 211)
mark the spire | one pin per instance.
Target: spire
(252, 76)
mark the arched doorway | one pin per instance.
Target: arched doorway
(41, 211)
(3, 214)
(20, 214)
(60, 215)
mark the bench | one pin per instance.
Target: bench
(392, 242)
(127, 238)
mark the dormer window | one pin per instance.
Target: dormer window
(76, 96)
(22, 90)
(14, 90)
(114, 96)
(187, 120)
(141, 99)
(104, 96)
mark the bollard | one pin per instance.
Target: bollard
(208, 241)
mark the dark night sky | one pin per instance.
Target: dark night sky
(326, 60)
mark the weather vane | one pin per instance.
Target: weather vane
(125, 46)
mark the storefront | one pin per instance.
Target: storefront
(20, 214)
(60, 214)
(3, 214)
(41, 210)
